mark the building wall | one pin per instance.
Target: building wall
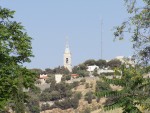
(58, 77)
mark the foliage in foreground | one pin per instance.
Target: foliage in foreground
(15, 49)
(138, 26)
(134, 94)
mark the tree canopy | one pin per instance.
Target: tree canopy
(135, 87)
(15, 49)
(138, 26)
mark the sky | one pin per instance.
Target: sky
(49, 22)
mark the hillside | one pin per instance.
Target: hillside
(84, 107)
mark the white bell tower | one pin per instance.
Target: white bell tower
(67, 57)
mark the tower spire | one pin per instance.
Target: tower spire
(67, 57)
(67, 50)
(67, 43)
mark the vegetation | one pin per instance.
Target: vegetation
(67, 103)
(75, 84)
(135, 88)
(59, 91)
(33, 104)
(132, 95)
(87, 110)
(102, 86)
(83, 80)
(138, 26)
(15, 49)
(101, 63)
(114, 63)
(87, 85)
(89, 96)
(78, 95)
(45, 107)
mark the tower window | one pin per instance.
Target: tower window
(67, 60)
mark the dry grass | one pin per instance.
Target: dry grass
(94, 106)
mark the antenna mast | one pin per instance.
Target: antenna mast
(101, 39)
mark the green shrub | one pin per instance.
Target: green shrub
(87, 85)
(75, 84)
(35, 90)
(55, 95)
(78, 95)
(48, 81)
(88, 97)
(33, 104)
(45, 96)
(83, 80)
(87, 110)
(45, 107)
(68, 77)
(37, 82)
(67, 103)
(102, 86)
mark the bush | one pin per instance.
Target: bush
(102, 86)
(45, 96)
(68, 93)
(63, 78)
(68, 77)
(75, 84)
(89, 97)
(87, 110)
(37, 82)
(87, 85)
(48, 80)
(55, 95)
(64, 89)
(47, 90)
(83, 73)
(67, 103)
(78, 95)
(45, 107)
(35, 90)
(74, 102)
(97, 99)
(33, 104)
(64, 104)
(83, 80)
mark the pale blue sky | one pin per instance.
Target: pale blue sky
(48, 22)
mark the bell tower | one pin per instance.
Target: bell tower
(67, 57)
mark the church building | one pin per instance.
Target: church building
(67, 58)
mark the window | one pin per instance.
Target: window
(67, 60)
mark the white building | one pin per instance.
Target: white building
(92, 68)
(43, 78)
(58, 77)
(105, 71)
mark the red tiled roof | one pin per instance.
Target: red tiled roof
(44, 77)
(74, 75)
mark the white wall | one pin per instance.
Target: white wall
(58, 78)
